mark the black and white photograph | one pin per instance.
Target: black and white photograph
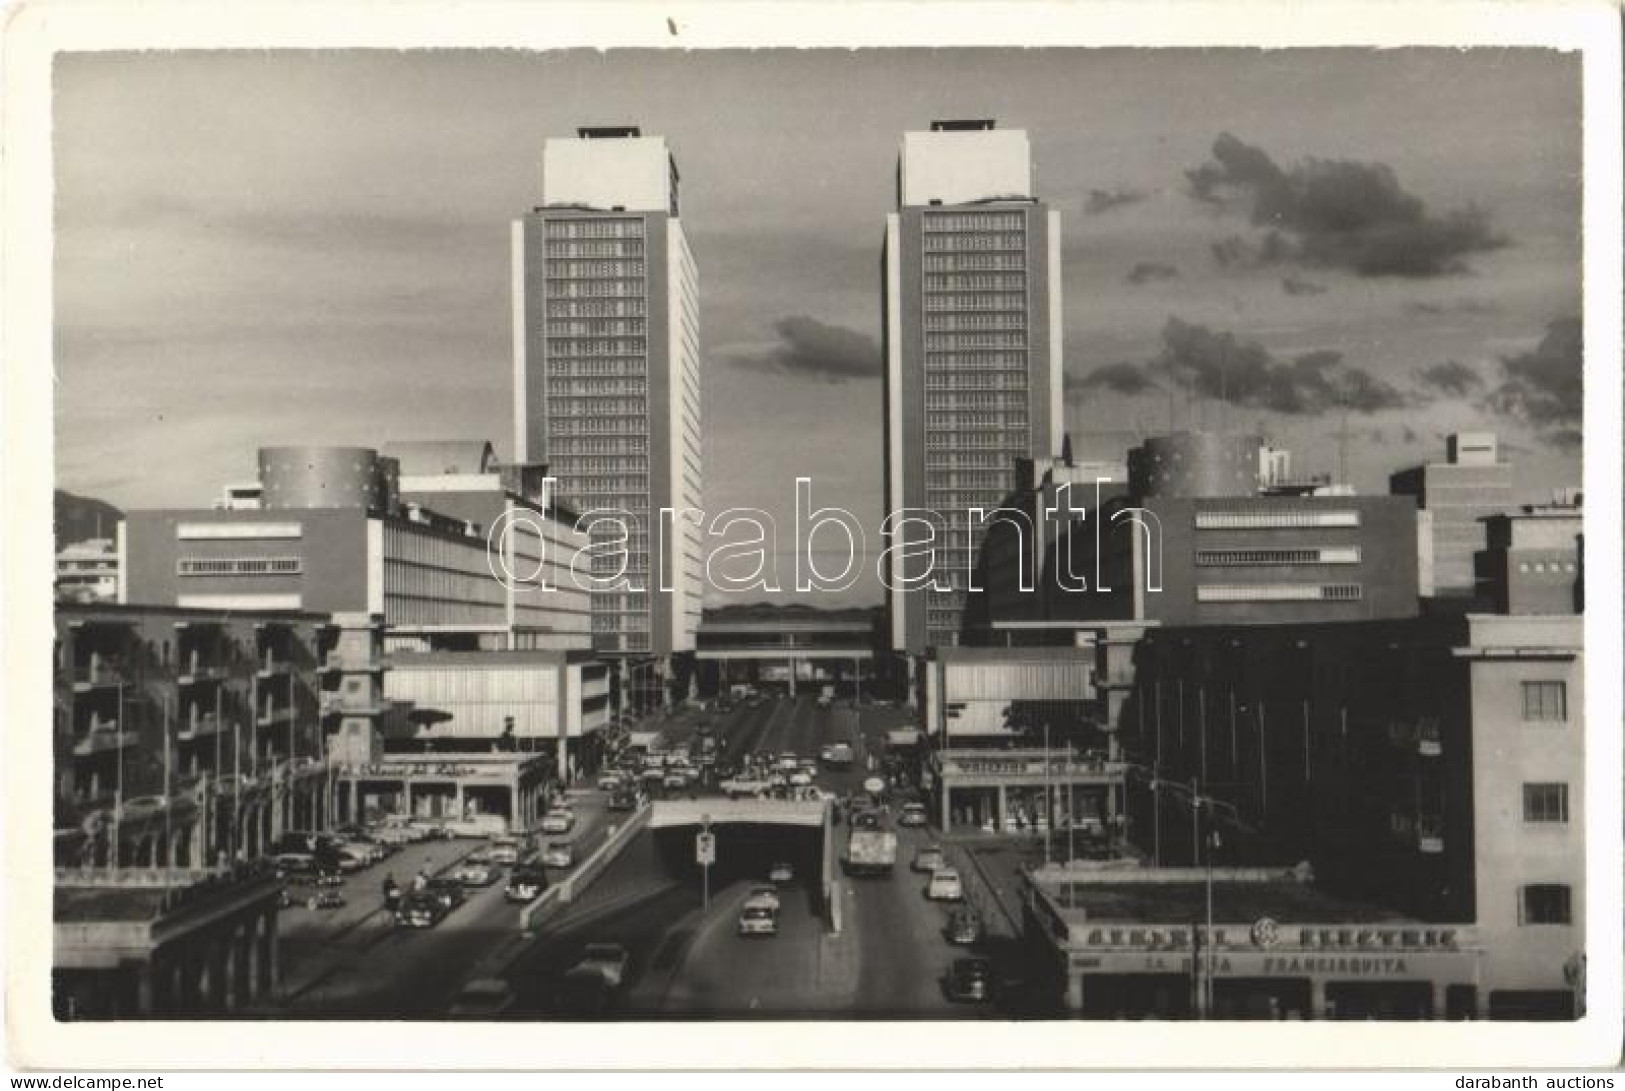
(1040, 536)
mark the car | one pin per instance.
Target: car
(608, 960)
(609, 781)
(481, 855)
(824, 753)
(295, 863)
(970, 980)
(758, 920)
(503, 850)
(766, 896)
(964, 927)
(945, 886)
(368, 850)
(559, 854)
(912, 814)
(627, 799)
(673, 779)
(866, 820)
(558, 821)
(929, 860)
(448, 891)
(476, 874)
(800, 779)
(482, 998)
(525, 885)
(781, 872)
(325, 899)
(420, 909)
(350, 860)
(788, 763)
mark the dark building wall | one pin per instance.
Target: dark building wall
(662, 546)
(1458, 498)
(331, 549)
(1310, 736)
(1192, 464)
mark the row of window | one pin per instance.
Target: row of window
(625, 427)
(958, 380)
(596, 228)
(1236, 558)
(559, 288)
(951, 421)
(1012, 443)
(976, 282)
(238, 566)
(1542, 567)
(976, 363)
(972, 242)
(1274, 520)
(626, 407)
(977, 400)
(608, 248)
(597, 308)
(594, 268)
(587, 464)
(571, 387)
(596, 327)
(975, 301)
(949, 342)
(995, 261)
(974, 221)
(1278, 592)
(612, 367)
(975, 320)
(960, 460)
(566, 347)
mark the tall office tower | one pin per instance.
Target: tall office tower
(1454, 495)
(607, 373)
(972, 331)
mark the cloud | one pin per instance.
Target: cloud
(1147, 271)
(808, 347)
(1297, 286)
(1543, 387)
(1409, 434)
(1451, 378)
(1460, 306)
(1217, 365)
(1124, 378)
(1337, 214)
(1104, 200)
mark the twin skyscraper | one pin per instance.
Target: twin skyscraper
(607, 363)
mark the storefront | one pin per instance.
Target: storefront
(450, 788)
(1138, 948)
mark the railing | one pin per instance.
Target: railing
(101, 740)
(98, 672)
(198, 727)
(272, 716)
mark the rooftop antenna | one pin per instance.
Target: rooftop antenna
(1343, 447)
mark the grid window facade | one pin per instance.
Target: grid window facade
(1274, 520)
(976, 314)
(1545, 903)
(1546, 803)
(1247, 558)
(1545, 702)
(1279, 592)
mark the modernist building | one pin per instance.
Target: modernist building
(1453, 496)
(607, 376)
(1433, 766)
(88, 571)
(1532, 562)
(789, 644)
(342, 529)
(972, 338)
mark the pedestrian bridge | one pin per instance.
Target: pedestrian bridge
(724, 812)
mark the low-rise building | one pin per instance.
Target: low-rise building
(88, 571)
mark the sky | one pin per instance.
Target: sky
(1351, 251)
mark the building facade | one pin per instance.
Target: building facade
(607, 377)
(1532, 562)
(972, 344)
(88, 571)
(1456, 494)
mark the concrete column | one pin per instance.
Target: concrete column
(219, 996)
(237, 977)
(355, 802)
(460, 802)
(1001, 813)
(1074, 990)
(145, 976)
(947, 809)
(267, 973)
(1439, 1000)
(792, 676)
(561, 757)
(1317, 998)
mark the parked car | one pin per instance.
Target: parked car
(525, 885)
(482, 998)
(781, 872)
(350, 860)
(945, 886)
(767, 896)
(503, 850)
(609, 781)
(448, 891)
(800, 779)
(608, 960)
(964, 927)
(295, 863)
(758, 920)
(929, 859)
(558, 821)
(325, 899)
(912, 814)
(559, 854)
(626, 799)
(476, 874)
(970, 980)
(420, 910)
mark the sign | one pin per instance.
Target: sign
(1266, 933)
(705, 849)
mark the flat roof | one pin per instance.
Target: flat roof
(1287, 902)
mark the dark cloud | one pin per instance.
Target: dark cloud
(817, 350)
(1121, 378)
(1337, 214)
(1568, 439)
(1409, 434)
(1543, 387)
(1217, 365)
(1460, 306)
(1147, 271)
(1451, 378)
(1299, 286)
(1104, 200)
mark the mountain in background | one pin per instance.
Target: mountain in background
(77, 518)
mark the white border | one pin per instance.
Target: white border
(32, 35)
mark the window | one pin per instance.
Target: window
(1544, 903)
(1545, 802)
(1545, 702)
(1274, 520)
(1278, 592)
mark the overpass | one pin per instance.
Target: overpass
(752, 835)
(777, 644)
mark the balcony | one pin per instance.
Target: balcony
(200, 727)
(104, 736)
(96, 674)
(271, 717)
(195, 672)
(1430, 834)
(272, 667)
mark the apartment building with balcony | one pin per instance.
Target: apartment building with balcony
(1432, 765)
